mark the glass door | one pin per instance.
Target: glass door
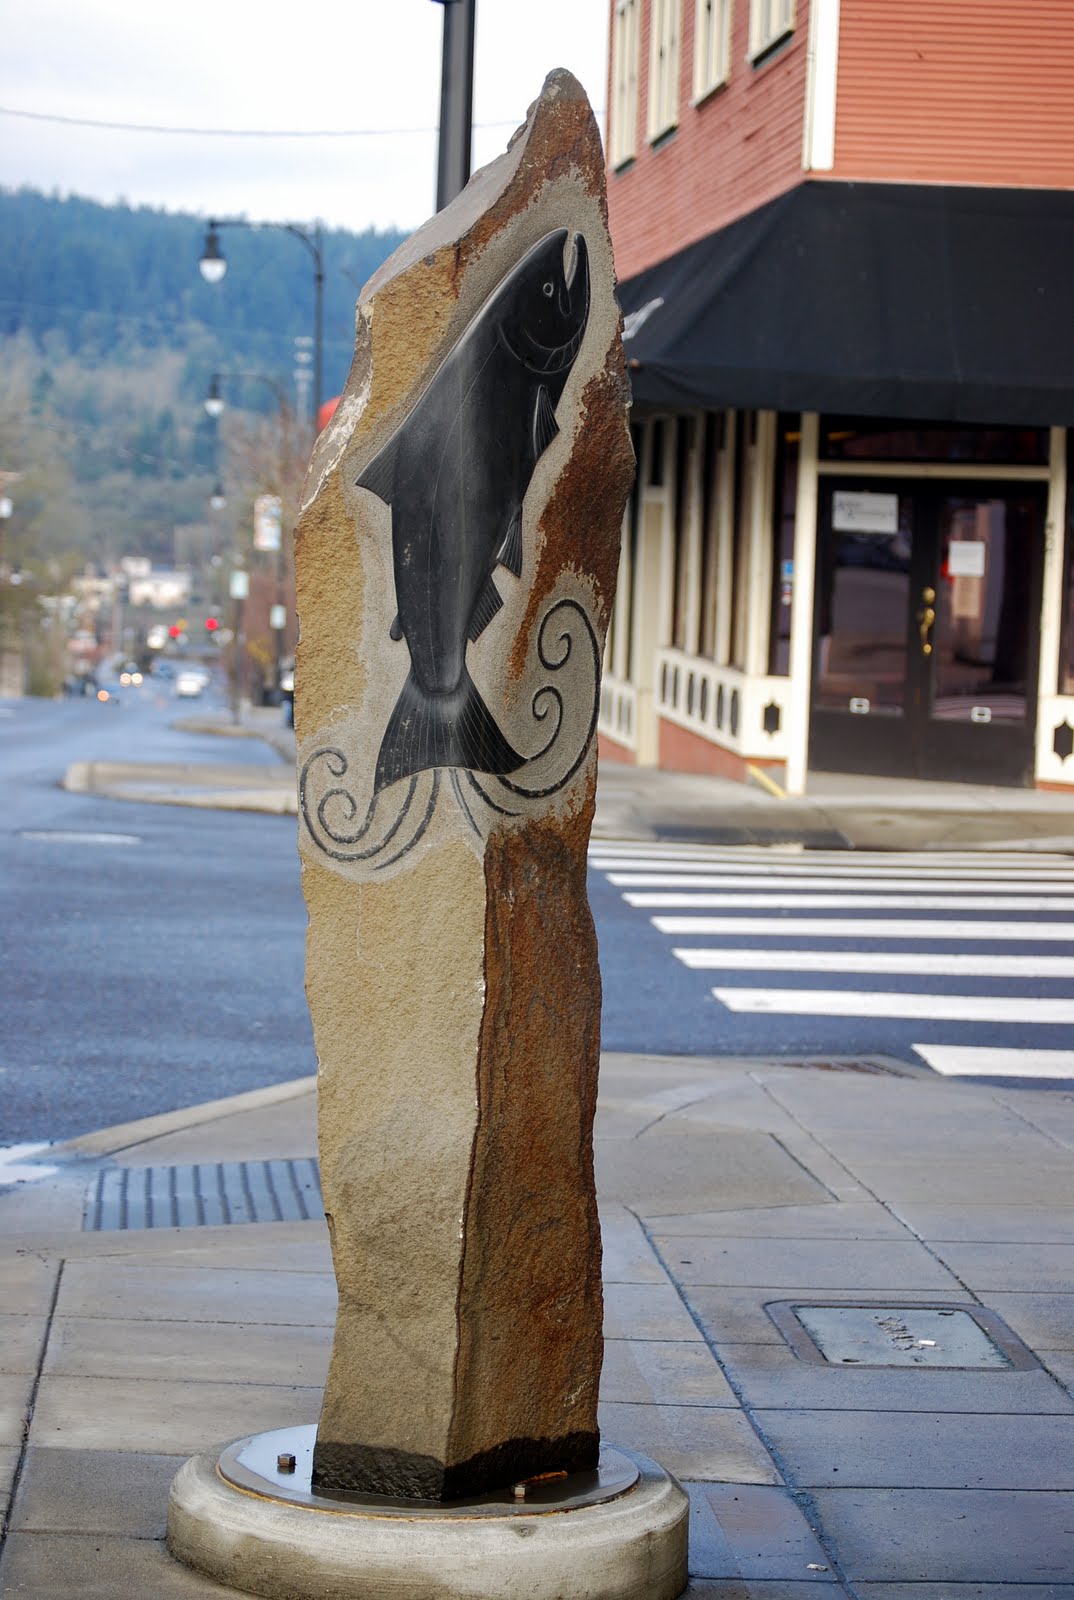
(978, 597)
(863, 672)
(925, 654)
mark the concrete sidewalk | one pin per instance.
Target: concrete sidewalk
(731, 1191)
(839, 812)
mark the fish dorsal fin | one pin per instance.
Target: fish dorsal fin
(378, 475)
(545, 426)
(510, 555)
(489, 602)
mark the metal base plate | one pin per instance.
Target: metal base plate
(253, 1465)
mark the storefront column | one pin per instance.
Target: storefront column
(801, 652)
(1051, 607)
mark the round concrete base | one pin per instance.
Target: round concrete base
(629, 1547)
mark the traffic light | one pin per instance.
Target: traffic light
(174, 631)
(211, 624)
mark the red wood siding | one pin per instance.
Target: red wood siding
(610, 750)
(740, 147)
(947, 91)
(683, 751)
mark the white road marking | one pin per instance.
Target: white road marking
(14, 1168)
(847, 902)
(785, 856)
(68, 836)
(930, 963)
(877, 1003)
(796, 872)
(865, 928)
(990, 1061)
(776, 882)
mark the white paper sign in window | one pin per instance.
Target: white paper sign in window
(863, 511)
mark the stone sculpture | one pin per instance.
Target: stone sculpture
(456, 564)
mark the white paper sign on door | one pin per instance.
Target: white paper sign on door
(862, 511)
(966, 558)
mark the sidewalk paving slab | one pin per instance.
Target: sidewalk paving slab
(127, 1351)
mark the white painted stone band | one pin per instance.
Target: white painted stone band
(632, 1548)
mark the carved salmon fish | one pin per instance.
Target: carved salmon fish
(455, 474)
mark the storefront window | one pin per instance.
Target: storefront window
(681, 511)
(779, 633)
(745, 441)
(896, 439)
(712, 444)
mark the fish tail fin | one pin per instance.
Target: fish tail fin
(442, 730)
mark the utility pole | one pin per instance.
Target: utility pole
(456, 99)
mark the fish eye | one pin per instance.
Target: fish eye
(548, 288)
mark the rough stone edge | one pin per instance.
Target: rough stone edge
(631, 1548)
(106, 1141)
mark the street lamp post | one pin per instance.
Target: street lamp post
(213, 266)
(456, 100)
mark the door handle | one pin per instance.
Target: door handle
(926, 618)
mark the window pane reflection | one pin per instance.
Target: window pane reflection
(863, 604)
(981, 636)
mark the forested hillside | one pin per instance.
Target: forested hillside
(110, 336)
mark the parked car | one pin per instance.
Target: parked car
(287, 693)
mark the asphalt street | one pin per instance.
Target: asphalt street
(152, 955)
(955, 961)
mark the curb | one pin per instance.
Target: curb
(122, 1135)
(217, 788)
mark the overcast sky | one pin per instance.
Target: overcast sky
(237, 64)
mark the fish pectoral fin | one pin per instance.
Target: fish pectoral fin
(510, 553)
(395, 632)
(545, 426)
(489, 601)
(378, 475)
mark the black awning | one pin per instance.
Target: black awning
(945, 304)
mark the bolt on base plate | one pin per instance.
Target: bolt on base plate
(246, 1520)
(278, 1464)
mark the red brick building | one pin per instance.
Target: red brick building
(844, 232)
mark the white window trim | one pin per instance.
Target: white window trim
(822, 79)
(665, 34)
(711, 74)
(626, 37)
(766, 33)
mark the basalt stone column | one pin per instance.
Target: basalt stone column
(456, 566)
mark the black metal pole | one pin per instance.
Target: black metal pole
(456, 99)
(318, 327)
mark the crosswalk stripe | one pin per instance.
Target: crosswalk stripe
(676, 871)
(772, 882)
(877, 1003)
(847, 902)
(927, 963)
(992, 1061)
(844, 918)
(865, 928)
(783, 854)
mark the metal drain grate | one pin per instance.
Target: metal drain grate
(205, 1195)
